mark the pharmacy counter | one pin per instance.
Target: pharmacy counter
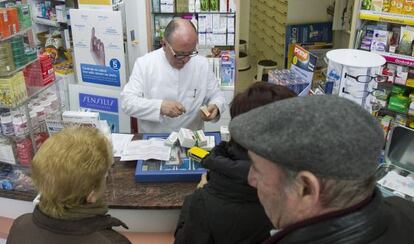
(145, 207)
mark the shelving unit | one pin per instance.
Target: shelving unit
(363, 18)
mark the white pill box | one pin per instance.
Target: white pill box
(186, 138)
(171, 139)
(81, 117)
(225, 133)
(211, 143)
(201, 138)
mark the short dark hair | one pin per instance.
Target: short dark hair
(258, 94)
(172, 26)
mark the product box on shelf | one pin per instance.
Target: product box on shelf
(227, 68)
(163, 171)
(9, 22)
(308, 34)
(12, 90)
(40, 73)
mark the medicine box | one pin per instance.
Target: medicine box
(81, 117)
(397, 173)
(162, 171)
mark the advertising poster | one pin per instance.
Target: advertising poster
(98, 47)
(102, 100)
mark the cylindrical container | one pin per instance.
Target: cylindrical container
(352, 74)
(53, 99)
(47, 106)
(40, 138)
(20, 125)
(40, 111)
(7, 125)
(34, 119)
(24, 150)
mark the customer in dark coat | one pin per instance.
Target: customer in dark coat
(227, 210)
(314, 161)
(69, 171)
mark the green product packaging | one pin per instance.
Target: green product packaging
(398, 103)
(399, 90)
(25, 20)
(214, 5)
(366, 4)
(204, 5)
(182, 6)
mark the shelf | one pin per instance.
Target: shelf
(48, 22)
(16, 34)
(387, 17)
(393, 113)
(17, 69)
(206, 12)
(398, 58)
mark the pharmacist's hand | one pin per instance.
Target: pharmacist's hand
(172, 108)
(213, 110)
(97, 49)
(203, 181)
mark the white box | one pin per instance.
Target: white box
(209, 39)
(230, 23)
(223, 6)
(201, 139)
(202, 38)
(81, 117)
(191, 6)
(225, 133)
(232, 6)
(202, 18)
(186, 138)
(167, 6)
(171, 139)
(211, 143)
(219, 39)
(197, 6)
(61, 13)
(209, 23)
(230, 39)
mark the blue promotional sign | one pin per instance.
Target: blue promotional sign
(100, 103)
(99, 74)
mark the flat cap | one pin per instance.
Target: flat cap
(327, 135)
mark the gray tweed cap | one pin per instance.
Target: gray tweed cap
(327, 135)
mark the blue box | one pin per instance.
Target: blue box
(308, 34)
(158, 171)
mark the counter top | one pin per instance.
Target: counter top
(123, 192)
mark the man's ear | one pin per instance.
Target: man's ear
(91, 198)
(308, 188)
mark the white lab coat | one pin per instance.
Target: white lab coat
(153, 80)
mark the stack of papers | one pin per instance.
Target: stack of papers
(153, 148)
(119, 142)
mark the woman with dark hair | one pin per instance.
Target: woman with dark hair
(226, 209)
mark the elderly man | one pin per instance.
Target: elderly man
(314, 160)
(168, 86)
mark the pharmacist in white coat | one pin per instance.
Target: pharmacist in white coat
(168, 86)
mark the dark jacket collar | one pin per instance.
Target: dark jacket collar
(75, 227)
(358, 224)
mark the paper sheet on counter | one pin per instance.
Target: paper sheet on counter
(120, 142)
(153, 148)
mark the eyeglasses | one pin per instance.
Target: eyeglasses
(367, 78)
(364, 94)
(180, 55)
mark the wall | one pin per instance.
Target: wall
(308, 11)
(245, 19)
